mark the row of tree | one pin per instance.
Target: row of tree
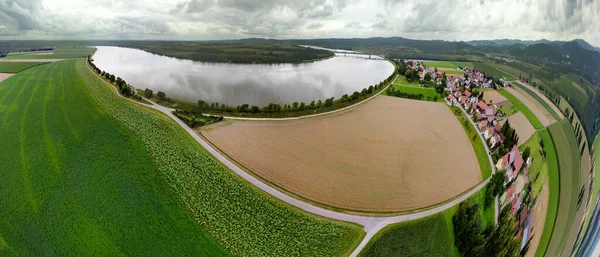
(124, 88)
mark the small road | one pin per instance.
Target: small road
(488, 151)
(371, 224)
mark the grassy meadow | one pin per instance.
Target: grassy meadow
(16, 67)
(537, 124)
(554, 187)
(490, 70)
(425, 237)
(77, 182)
(569, 169)
(447, 64)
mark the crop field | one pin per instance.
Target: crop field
(59, 53)
(569, 169)
(476, 143)
(519, 101)
(490, 70)
(376, 157)
(15, 67)
(242, 219)
(543, 100)
(523, 127)
(424, 237)
(553, 191)
(447, 64)
(538, 218)
(75, 181)
(565, 87)
(495, 98)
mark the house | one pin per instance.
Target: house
(497, 138)
(467, 93)
(451, 100)
(512, 162)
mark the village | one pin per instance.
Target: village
(466, 92)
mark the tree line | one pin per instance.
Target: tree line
(124, 88)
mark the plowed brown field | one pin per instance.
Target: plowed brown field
(386, 155)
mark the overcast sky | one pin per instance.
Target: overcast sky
(231, 19)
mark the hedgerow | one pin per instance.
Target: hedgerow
(238, 216)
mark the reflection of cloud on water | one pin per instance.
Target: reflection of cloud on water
(236, 84)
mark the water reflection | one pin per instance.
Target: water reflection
(236, 84)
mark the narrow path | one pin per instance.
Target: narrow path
(371, 224)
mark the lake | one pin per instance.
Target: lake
(236, 84)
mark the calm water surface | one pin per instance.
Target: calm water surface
(236, 84)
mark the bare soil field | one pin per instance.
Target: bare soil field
(446, 69)
(29, 60)
(387, 155)
(538, 217)
(4, 76)
(536, 109)
(550, 103)
(522, 125)
(495, 97)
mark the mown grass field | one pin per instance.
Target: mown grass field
(569, 170)
(538, 171)
(554, 187)
(58, 53)
(75, 181)
(480, 152)
(537, 124)
(447, 64)
(425, 237)
(539, 99)
(427, 92)
(16, 67)
(401, 81)
(242, 219)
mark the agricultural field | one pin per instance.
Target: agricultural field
(58, 53)
(541, 99)
(492, 96)
(425, 237)
(4, 76)
(553, 191)
(447, 64)
(426, 92)
(570, 90)
(538, 171)
(327, 167)
(64, 157)
(16, 67)
(490, 70)
(241, 218)
(401, 81)
(523, 127)
(569, 169)
(519, 101)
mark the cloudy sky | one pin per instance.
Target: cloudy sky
(231, 19)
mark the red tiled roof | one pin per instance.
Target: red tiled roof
(467, 93)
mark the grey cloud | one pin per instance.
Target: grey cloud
(315, 25)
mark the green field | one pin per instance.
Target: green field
(74, 181)
(492, 71)
(538, 171)
(59, 53)
(554, 187)
(401, 81)
(16, 67)
(537, 124)
(569, 169)
(539, 99)
(478, 147)
(425, 237)
(120, 180)
(240, 218)
(448, 73)
(427, 92)
(564, 86)
(509, 109)
(447, 64)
